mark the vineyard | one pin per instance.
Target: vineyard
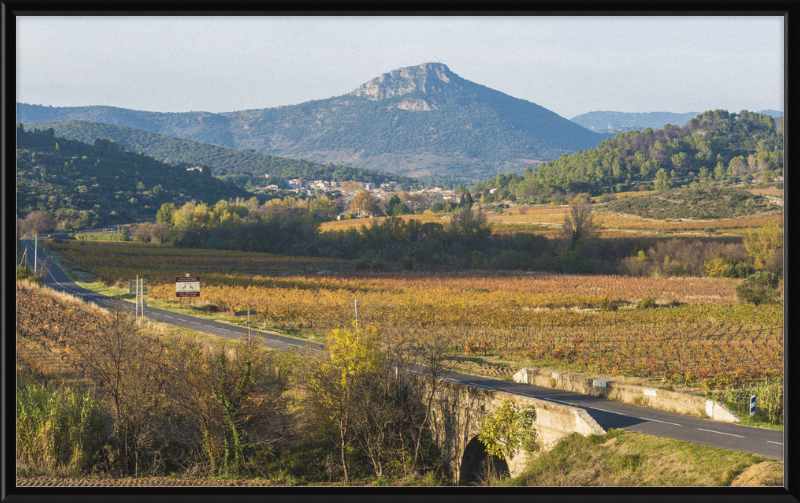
(697, 333)
(546, 220)
(555, 215)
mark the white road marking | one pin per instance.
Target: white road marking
(771, 442)
(656, 420)
(609, 411)
(721, 433)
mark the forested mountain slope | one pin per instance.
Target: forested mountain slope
(715, 145)
(225, 162)
(88, 185)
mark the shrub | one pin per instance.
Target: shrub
(607, 305)
(647, 303)
(759, 288)
(26, 275)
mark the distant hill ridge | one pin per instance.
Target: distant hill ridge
(223, 161)
(624, 121)
(415, 121)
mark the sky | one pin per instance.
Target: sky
(570, 65)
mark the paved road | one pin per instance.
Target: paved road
(607, 413)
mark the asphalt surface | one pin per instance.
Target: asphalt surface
(607, 413)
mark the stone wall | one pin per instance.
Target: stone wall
(458, 411)
(671, 401)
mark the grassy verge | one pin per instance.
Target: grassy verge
(623, 458)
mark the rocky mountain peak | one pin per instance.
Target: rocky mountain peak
(427, 77)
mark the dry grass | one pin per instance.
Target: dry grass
(623, 458)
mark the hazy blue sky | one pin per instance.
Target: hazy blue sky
(570, 65)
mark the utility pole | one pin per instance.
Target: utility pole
(137, 296)
(356, 301)
(35, 252)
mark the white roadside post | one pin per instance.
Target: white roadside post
(753, 406)
(141, 296)
(137, 296)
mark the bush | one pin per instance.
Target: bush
(779, 185)
(26, 275)
(759, 288)
(647, 303)
(607, 305)
(575, 263)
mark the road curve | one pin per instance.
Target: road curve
(607, 413)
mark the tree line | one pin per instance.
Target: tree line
(465, 241)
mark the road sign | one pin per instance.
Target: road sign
(132, 287)
(753, 406)
(188, 286)
(240, 313)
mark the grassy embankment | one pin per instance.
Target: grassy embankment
(623, 458)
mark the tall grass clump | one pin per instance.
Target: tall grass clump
(58, 430)
(769, 401)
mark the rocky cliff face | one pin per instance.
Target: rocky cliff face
(427, 77)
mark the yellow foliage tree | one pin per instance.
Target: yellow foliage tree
(363, 204)
(761, 243)
(333, 378)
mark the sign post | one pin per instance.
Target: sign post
(242, 313)
(138, 287)
(753, 406)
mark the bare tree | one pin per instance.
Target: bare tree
(159, 232)
(223, 399)
(122, 358)
(36, 222)
(579, 226)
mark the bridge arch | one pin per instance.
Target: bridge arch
(477, 464)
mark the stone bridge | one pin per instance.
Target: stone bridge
(458, 411)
